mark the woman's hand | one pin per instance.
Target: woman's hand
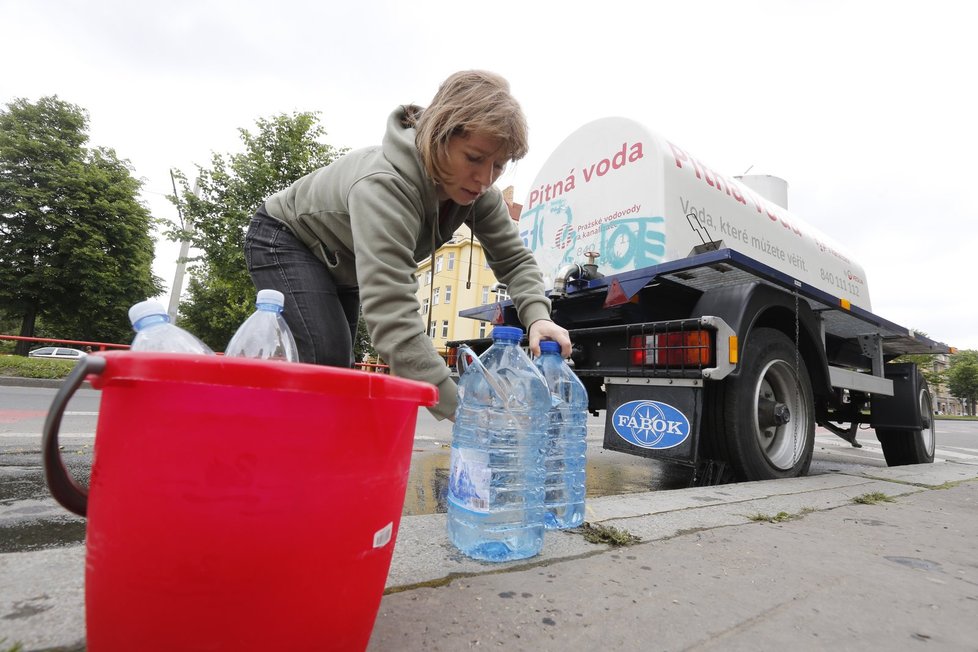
(544, 329)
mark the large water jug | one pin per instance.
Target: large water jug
(155, 332)
(566, 440)
(495, 490)
(264, 335)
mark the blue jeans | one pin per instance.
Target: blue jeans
(322, 317)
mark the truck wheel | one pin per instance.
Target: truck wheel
(912, 446)
(764, 418)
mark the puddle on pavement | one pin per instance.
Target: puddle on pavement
(25, 526)
(40, 535)
(608, 474)
(30, 519)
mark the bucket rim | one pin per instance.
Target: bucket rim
(143, 366)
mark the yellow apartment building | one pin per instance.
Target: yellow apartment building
(446, 285)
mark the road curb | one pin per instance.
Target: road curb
(49, 383)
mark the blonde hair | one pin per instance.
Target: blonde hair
(471, 101)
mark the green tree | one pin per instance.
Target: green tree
(962, 377)
(362, 346)
(221, 294)
(75, 244)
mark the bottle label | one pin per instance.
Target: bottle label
(469, 483)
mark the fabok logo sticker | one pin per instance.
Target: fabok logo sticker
(650, 424)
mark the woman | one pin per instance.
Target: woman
(355, 231)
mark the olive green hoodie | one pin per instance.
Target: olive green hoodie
(372, 216)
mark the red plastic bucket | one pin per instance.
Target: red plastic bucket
(237, 504)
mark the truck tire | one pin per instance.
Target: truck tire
(763, 420)
(912, 445)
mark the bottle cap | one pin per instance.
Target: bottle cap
(273, 297)
(549, 346)
(145, 309)
(507, 333)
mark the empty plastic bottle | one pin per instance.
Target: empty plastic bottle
(154, 332)
(495, 488)
(566, 441)
(264, 335)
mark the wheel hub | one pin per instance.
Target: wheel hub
(772, 414)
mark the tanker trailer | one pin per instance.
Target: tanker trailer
(714, 327)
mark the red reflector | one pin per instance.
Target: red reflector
(636, 347)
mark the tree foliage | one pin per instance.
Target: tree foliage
(962, 377)
(75, 244)
(220, 292)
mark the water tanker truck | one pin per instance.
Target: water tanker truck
(712, 326)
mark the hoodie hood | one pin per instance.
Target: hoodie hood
(401, 152)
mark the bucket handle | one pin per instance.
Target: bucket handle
(63, 487)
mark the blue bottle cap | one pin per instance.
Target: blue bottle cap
(507, 333)
(549, 346)
(145, 309)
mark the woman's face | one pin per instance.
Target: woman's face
(474, 162)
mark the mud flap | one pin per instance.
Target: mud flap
(649, 418)
(902, 410)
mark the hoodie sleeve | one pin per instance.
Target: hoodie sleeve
(386, 216)
(511, 261)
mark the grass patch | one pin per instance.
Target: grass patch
(597, 533)
(780, 517)
(16, 647)
(872, 498)
(950, 484)
(20, 366)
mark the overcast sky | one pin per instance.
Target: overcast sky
(866, 108)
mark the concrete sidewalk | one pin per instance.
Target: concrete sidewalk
(709, 573)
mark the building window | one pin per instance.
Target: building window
(448, 293)
(485, 295)
(438, 263)
(502, 294)
(435, 296)
(427, 277)
(444, 328)
(482, 329)
(431, 332)
(424, 307)
(451, 261)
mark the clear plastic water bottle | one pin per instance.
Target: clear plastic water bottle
(154, 332)
(566, 441)
(495, 487)
(265, 335)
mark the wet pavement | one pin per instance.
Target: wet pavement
(31, 520)
(608, 474)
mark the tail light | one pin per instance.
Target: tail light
(676, 349)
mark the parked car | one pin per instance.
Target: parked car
(57, 353)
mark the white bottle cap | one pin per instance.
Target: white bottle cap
(273, 297)
(145, 309)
